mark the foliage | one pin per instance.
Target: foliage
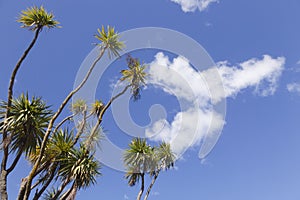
(97, 107)
(26, 123)
(109, 39)
(50, 194)
(80, 166)
(141, 158)
(135, 75)
(79, 106)
(62, 156)
(36, 18)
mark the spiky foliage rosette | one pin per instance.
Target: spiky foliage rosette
(135, 75)
(139, 157)
(79, 106)
(165, 156)
(109, 39)
(81, 166)
(36, 18)
(97, 107)
(26, 123)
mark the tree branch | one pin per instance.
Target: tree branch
(63, 121)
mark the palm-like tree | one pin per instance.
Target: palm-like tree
(139, 159)
(165, 159)
(26, 124)
(135, 75)
(165, 156)
(79, 167)
(109, 40)
(58, 148)
(35, 19)
(65, 162)
(97, 107)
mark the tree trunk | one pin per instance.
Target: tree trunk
(142, 188)
(22, 189)
(5, 139)
(151, 185)
(71, 193)
(3, 186)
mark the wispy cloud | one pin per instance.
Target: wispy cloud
(197, 118)
(193, 5)
(126, 197)
(155, 193)
(293, 87)
(208, 24)
(295, 68)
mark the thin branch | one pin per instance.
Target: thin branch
(16, 160)
(142, 187)
(151, 184)
(81, 129)
(38, 182)
(63, 121)
(106, 107)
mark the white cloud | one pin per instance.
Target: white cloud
(293, 87)
(187, 129)
(262, 74)
(193, 5)
(197, 93)
(178, 78)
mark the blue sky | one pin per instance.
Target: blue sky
(257, 155)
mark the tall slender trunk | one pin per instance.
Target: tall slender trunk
(151, 184)
(142, 188)
(71, 193)
(3, 182)
(51, 123)
(22, 188)
(5, 139)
